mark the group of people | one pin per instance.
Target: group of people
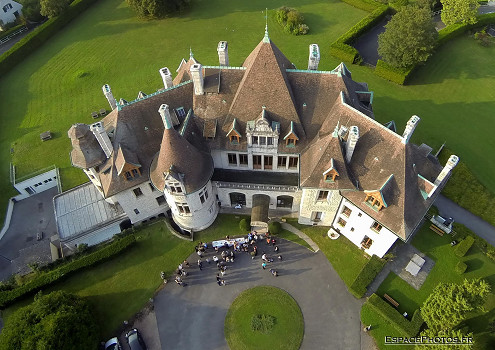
(223, 256)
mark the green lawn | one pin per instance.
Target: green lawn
(60, 84)
(344, 256)
(119, 288)
(284, 328)
(438, 248)
(293, 238)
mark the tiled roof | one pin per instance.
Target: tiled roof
(86, 151)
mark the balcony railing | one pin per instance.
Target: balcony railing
(257, 187)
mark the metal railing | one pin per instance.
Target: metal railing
(11, 35)
(257, 187)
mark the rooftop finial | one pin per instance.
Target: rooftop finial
(266, 39)
(191, 55)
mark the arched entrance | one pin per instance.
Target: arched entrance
(237, 198)
(285, 202)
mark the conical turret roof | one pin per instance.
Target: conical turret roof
(180, 158)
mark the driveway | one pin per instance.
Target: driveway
(192, 317)
(19, 244)
(483, 229)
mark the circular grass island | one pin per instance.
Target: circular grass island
(264, 318)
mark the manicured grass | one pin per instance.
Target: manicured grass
(439, 249)
(60, 84)
(275, 304)
(119, 288)
(293, 238)
(344, 256)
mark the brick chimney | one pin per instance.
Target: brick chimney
(223, 53)
(108, 94)
(314, 57)
(167, 119)
(166, 77)
(352, 140)
(102, 138)
(451, 163)
(410, 126)
(197, 78)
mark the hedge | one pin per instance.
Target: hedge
(457, 29)
(463, 247)
(460, 268)
(396, 75)
(39, 36)
(45, 279)
(395, 318)
(366, 276)
(341, 47)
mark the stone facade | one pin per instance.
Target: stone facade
(315, 210)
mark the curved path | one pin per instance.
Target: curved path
(192, 317)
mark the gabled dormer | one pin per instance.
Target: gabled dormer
(262, 132)
(291, 138)
(376, 199)
(234, 135)
(331, 173)
(174, 181)
(127, 164)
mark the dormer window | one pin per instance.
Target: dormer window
(175, 187)
(234, 135)
(374, 202)
(376, 199)
(291, 138)
(127, 164)
(331, 173)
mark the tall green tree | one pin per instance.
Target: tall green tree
(153, 9)
(31, 10)
(56, 321)
(459, 11)
(53, 8)
(449, 303)
(409, 37)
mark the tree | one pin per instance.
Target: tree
(31, 10)
(449, 304)
(244, 225)
(409, 37)
(459, 11)
(58, 320)
(153, 9)
(53, 8)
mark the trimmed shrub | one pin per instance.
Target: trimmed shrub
(457, 29)
(292, 21)
(460, 268)
(244, 225)
(463, 247)
(40, 35)
(341, 47)
(396, 75)
(395, 318)
(274, 227)
(366, 276)
(45, 279)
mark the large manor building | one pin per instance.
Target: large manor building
(266, 136)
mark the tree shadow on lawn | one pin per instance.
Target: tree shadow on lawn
(112, 309)
(473, 264)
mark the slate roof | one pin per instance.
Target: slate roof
(311, 103)
(86, 151)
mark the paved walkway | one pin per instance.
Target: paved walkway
(302, 235)
(192, 317)
(403, 254)
(479, 226)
